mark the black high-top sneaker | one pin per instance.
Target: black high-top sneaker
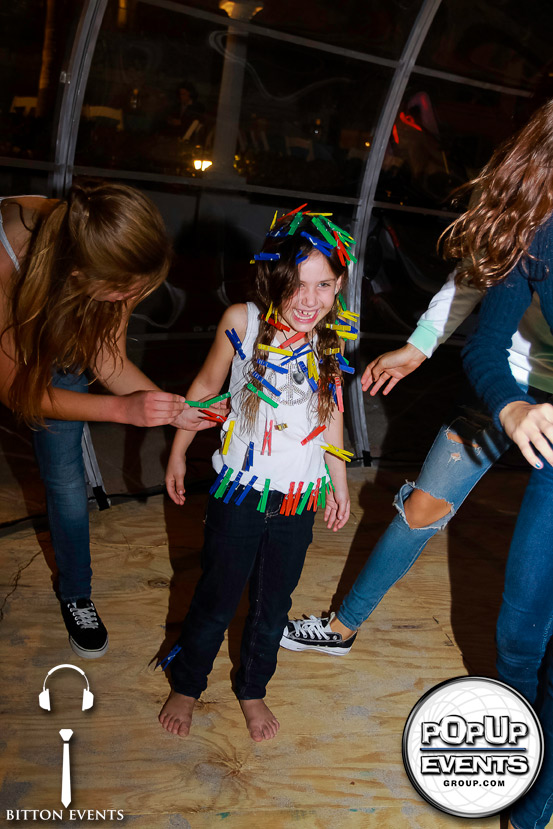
(315, 634)
(87, 635)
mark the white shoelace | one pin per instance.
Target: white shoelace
(312, 627)
(85, 616)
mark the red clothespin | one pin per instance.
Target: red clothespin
(314, 497)
(290, 498)
(313, 434)
(213, 416)
(291, 340)
(283, 505)
(267, 438)
(293, 212)
(339, 397)
(340, 249)
(279, 325)
(297, 498)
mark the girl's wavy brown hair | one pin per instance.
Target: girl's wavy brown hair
(512, 197)
(104, 237)
(276, 281)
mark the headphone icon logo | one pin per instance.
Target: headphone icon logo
(44, 696)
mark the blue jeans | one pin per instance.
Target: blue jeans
(450, 472)
(524, 630)
(241, 544)
(60, 460)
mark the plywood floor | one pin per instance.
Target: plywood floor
(337, 759)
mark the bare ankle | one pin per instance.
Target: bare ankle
(336, 626)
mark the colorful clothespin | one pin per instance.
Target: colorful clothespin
(224, 483)
(232, 489)
(163, 663)
(212, 416)
(313, 434)
(339, 396)
(312, 503)
(344, 364)
(299, 352)
(236, 342)
(324, 232)
(267, 438)
(340, 453)
(262, 506)
(219, 478)
(247, 488)
(331, 351)
(276, 350)
(266, 383)
(297, 498)
(273, 366)
(318, 244)
(291, 340)
(312, 383)
(280, 426)
(330, 484)
(228, 436)
(297, 210)
(305, 498)
(287, 501)
(301, 257)
(295, 224)
(266, 257)
(263, 396)
(248, 460)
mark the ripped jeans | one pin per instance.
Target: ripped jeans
(450, 472)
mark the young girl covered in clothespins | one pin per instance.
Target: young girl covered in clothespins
(285, 421)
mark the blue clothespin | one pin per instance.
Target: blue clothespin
(246, 490)
(236, 342)
(301, 352)
(266, 383)
(344, 365)
(274, 366)
(169, 658)
(232, 489)
(311, 380)
(332, 388)
(260, 257)
(301, 258)
(324, 247)
(218, 480)
(249, 461)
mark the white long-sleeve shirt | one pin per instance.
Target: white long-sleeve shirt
(531, 352)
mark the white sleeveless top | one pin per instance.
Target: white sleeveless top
(289, 461)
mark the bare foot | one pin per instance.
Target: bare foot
(176, 714)
(262, 723)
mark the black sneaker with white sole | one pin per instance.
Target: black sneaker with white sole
(87, 635)
(315, 634)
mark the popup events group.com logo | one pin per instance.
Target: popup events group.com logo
(472, 746)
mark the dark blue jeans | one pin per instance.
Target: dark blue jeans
(241, 545)
(525, 628)
(60, 460)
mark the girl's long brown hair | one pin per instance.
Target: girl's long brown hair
(276, 282)
(512, 197)
(103, 238)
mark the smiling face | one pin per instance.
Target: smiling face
(318, 285)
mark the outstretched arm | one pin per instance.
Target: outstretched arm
(207, 383)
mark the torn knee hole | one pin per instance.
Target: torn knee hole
(455, 438)
(425, 510)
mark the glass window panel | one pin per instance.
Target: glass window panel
(307, 118)
(34, 39)
(443, 134)
(152, 92)
(499, 41)
(369, 26)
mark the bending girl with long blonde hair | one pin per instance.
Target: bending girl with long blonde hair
(70, 273)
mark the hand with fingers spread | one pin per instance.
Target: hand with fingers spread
(174, 477)
(337, 508)
(390, 368)
(530, 425)
(150, 408)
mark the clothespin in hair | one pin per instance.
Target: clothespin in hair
(266, 257)
(269, 312)
(339, 396)
(327, 236)
(296, 210)
(274, 220)
(344, 364)
(267, 438)
(331, 351)
(236, 342)
(321, 246)
(295, 223)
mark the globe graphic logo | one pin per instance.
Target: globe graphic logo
(472, 746)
